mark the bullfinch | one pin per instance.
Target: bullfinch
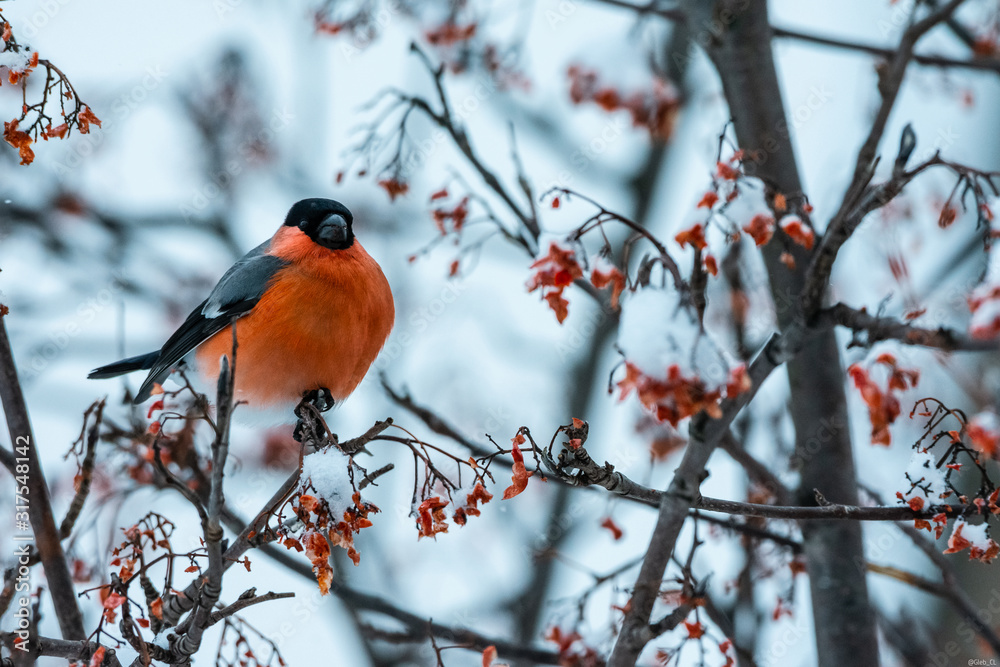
(311, 308)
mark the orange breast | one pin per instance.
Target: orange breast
(321, 323)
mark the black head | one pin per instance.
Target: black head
(325, 221)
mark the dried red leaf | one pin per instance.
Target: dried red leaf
(19, 140)
(613, 527)
(798, 231)
(609, 276)
(519, 480)
(708, 200)
(694, 630)
(726, 172)
(760, 228)
(694, 235)
(85, 118)
(450, 33)
(395, 188)
(431, 518)
(553, 273)
(947, 217)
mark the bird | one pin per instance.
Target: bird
(311, 308)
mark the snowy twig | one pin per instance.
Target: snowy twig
(878, 328)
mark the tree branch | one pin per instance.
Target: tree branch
(857, 201)
(89, 440)
(878, 328)
(73, 650)
(42, 520)
(245, 602)
(981, 64)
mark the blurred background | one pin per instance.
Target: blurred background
(218, 116)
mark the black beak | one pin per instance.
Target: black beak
(333, 231)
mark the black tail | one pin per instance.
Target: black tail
(141, 363)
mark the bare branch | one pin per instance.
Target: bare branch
(43, 523)
(979, 63)
(878, 329)
(245, 602)
(859, 198)
(86, 473)
(74, 650)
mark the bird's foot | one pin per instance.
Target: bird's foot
(310, 426)
(320, 398)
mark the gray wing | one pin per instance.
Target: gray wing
(235, 295)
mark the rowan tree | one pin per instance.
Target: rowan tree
(694, 364)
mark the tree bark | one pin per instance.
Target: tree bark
(737, 37)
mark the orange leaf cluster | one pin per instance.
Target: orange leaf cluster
(939, 521)
(655, 109)
(519, 479)
(456, 216)
(85, 118)
(694, 235)
(20, 140)
(760, 228)
(554, 273)
(15, 75)
(394, 187)
(676, 397)
(798, 231)
(339, 530)
(957, 542)
(572, 651)
(355, 518)
(318, 553)
(610, 275)
(450, 33)
(110, 603)
(431, 518)
(883, 406)
(479, 495)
